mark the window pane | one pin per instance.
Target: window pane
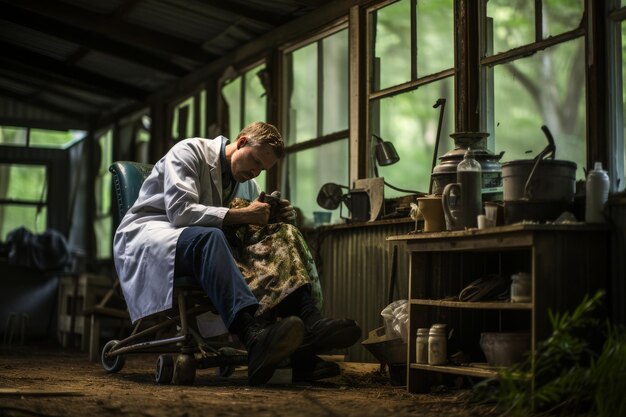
(547, 88)
(392, 45)
(13, 216)
(103, 222)
(12, 135)
(54, 138)
(203, 129)
(622, 183)
(255, 97)
(335, 74)
(23, 182)
(103, 180)
(182, 120)
(303, 95)
(232, 95)
(560, 16)
(103, 233)
(310, 169)
(435, 36)
(410, 122)
(513, 24)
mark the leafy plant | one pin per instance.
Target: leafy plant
(567, 373)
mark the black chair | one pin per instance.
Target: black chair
(171, 331)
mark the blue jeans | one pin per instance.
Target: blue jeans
(204, 253)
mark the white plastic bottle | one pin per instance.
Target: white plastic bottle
(597, 189)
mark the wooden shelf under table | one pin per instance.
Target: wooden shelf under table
(485, 305)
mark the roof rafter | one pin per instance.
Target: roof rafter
(240, 9)
(96, 23)
(41, 103)
(49, 88)
(19, 55)
(62, 79)
(88, 39)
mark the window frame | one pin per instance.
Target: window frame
(374, 96)
(616, 17)
(320, 139)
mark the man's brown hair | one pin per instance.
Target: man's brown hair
(264, 134)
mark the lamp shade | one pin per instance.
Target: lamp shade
(386, 153)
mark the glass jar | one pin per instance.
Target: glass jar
(421, 346)
(437, 345)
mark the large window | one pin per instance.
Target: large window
(617, 94)
(542, 82)
(316, 118)
(412, 70)
(245, 97)
(39, 138)
(23, 198)
(24, 186)
(189, 117)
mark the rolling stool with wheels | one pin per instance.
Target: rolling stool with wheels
(169, 332)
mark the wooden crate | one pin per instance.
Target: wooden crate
(76, 295)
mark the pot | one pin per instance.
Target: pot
(505, 349)
(540, 179)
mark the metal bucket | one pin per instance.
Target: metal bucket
(541, 180)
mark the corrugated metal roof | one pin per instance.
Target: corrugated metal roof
(116, 53)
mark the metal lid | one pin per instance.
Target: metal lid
(438, 329)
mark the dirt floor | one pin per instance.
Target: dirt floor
(53, 382)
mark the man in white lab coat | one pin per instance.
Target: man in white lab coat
(175, 229)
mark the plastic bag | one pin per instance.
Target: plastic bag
(48, 251)
(396, 316)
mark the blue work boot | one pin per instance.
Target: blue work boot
(270, 345)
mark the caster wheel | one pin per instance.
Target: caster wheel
(225, 370)
(164, 369)
(184, 370)
(111, 364)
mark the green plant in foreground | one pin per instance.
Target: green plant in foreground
(572, 371)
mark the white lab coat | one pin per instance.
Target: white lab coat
(183, 189)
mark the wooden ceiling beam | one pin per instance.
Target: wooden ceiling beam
(97, 23)
(32, 59)
(240, 9)
(42, 103)
(61, 79)
(45, 87)
(88, 39)
(312, 3)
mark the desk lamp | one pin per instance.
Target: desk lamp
(386, 155)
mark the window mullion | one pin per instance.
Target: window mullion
(414, 50)
(320, 88)
(242, 105)
(538, 20)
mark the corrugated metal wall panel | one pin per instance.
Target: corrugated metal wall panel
(355, 269)
(617, 292)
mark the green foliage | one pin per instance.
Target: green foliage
(570, 374)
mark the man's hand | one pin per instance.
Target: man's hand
(257, 213)
(285, 212)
